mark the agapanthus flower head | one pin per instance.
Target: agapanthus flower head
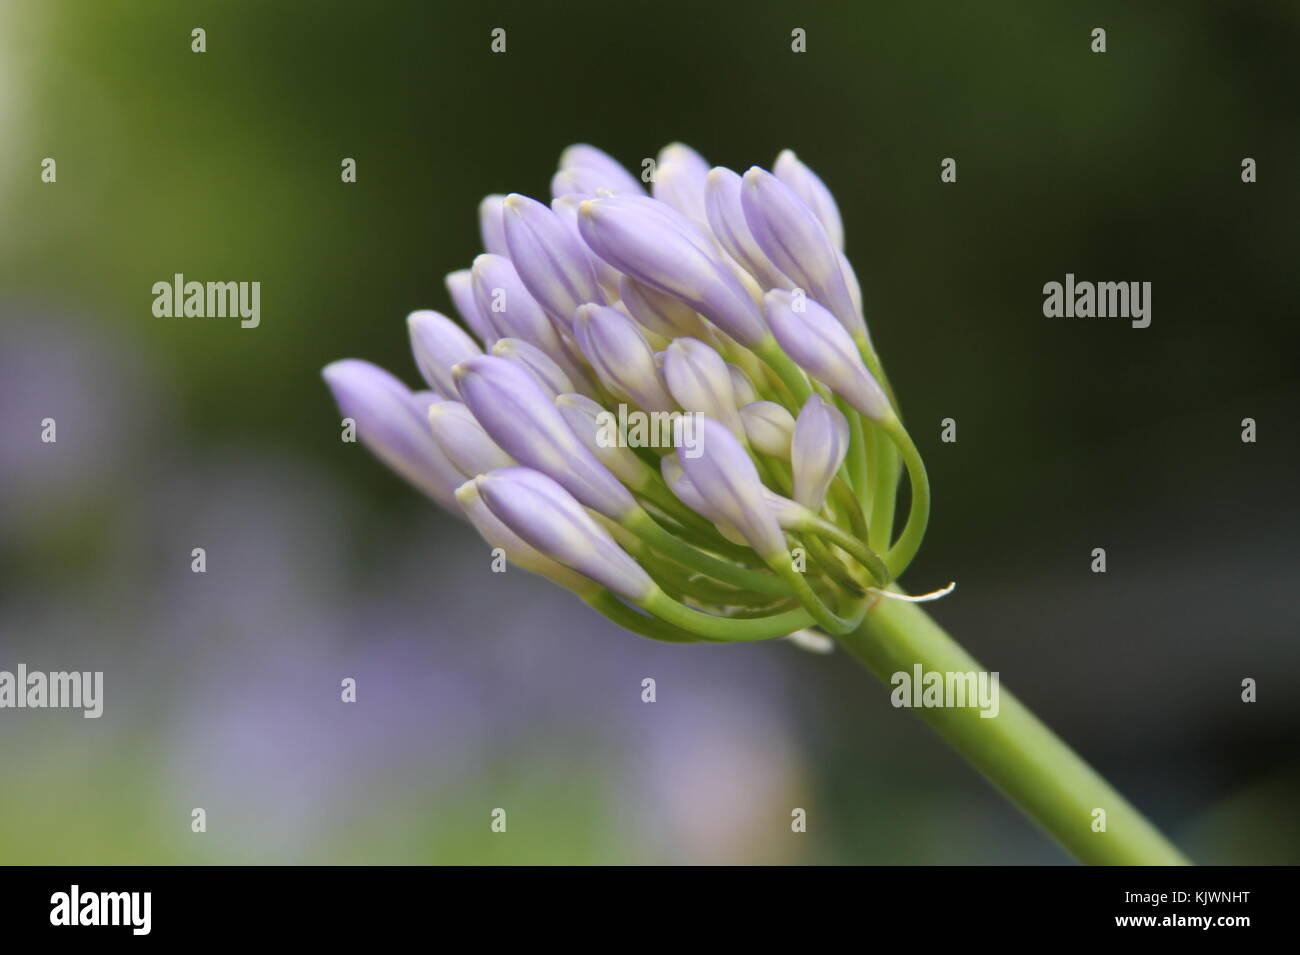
(670, 405)
(667, 400)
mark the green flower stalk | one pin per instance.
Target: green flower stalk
(670, 404)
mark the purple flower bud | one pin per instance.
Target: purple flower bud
(855, 288)
(547, 373)
(518, 551)
(621, 356)
(463, 441)
(820, 444)
(728, 482)
(656, 341)
(599, 430)
(698, 379)
(514, 313)
(808, 186)
(662, 249)
(727, 221)
(742, 386)
(796, 242)
(491, 225)
(595, 170)
(820, 345)
(789, 514)
(680, 177)
(584, 183)
(552, 263)
(545, 515)
(519, 416)
(569, 182)
(460, 285)
(682, 486)
(661, 313)
(770, 428)
(438, 343)
(392, 423)
(566, 208)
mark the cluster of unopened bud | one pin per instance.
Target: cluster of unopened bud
(722, 304)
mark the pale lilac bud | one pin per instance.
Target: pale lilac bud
(584, 183)
(438, 343)
(697, 237)
(789, 514)
(392, 423)
(854, 286)
(569, 182)
(819, 446)
(665, 315)
(727, 222)
(513, 312)
(518, 551)
(808, 186)
(748, 282)
(622, 357)
(547, 373)
(680, 177)
(566, 207)
(551, 262)
(770, 428)
(675, 477)
(460, 285)
(698, 380)
(599, 430)
(491, 225)
(796, 242)
(742, 385)
(728, 482)
(662, 249)
(545, 515)
(463, 441)
(596, 169)
(515, 411)
(820, 345)
(657, 342)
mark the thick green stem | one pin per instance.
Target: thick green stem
(1014, 750)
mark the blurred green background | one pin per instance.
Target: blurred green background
(477, 692)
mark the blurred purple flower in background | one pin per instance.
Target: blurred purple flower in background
(223, 688)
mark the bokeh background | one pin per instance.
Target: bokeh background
(477, 691)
